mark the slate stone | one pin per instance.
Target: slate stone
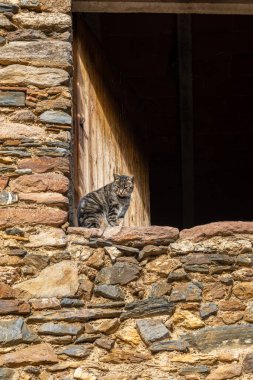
(248, 363)
(169, 345)
(76, 351)
(207, 310)
(59, 329)
(159, 289)
(194, 369)
(119, 273)
(210, 338)
(105, 343)
(36, 261)
(197, 268)
(178, 275)
(14, 231)
(71, 302)
(113, 292)
(8, 198)
(12, 98)
(87, 338)
(6, 374)
(186, 292)
(107, 305)
(148, 307)
(56, 117)
(15, 331)
(152, 330)
(15, 153)
(152, 250)
(8, 8)
(53, 152)
(30, 4)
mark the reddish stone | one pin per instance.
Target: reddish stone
(214, 291)
(206, 231)
(14, 307)
(6, 292)
(231, 305)
(3, 182)
(40, 182)
(45, 164)
(33, 355)
(87, 233)
(10, 217)
(140, 236)
(55, 199)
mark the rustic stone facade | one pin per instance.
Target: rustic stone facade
(35, 111)
(126, 303)
(121, 303)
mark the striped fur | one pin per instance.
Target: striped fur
(107, 205)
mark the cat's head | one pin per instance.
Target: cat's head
(123, 185)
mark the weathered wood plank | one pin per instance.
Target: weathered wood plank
(165, 6)
(104, 138)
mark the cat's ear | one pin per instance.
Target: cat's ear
(116, 176)
(132, 178)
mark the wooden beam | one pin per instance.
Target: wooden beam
(186, 117)
(165, 6)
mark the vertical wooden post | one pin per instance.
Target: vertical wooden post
(186, 117)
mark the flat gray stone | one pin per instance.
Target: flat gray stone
(207, 310)
(71, 302)
(210, 338)
(169, 345)
(152, 330)
(8, 198)
(56, 117)
(12, 98)
(2, 40)
(148, 307)
(76, 351)
(15, 331)
(109, 291)
(248, 363)
(120, 273)
(8, 8)
(59, 329)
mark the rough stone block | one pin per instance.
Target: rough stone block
(51, 53)
(13, 131)
(43, 21)
(54, 182)
(15, 331)
(58, 280)
(152, 330)
(21, 75)
(43, 354)
(10, 217)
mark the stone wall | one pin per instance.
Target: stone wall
(126, 303)
(35, 111)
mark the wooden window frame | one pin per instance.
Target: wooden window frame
(236, 7)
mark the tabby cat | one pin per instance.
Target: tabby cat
(108, 205)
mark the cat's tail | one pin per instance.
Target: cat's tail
(80, 212)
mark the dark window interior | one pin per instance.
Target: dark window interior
(143, 50)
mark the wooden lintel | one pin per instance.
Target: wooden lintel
(243, 7)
